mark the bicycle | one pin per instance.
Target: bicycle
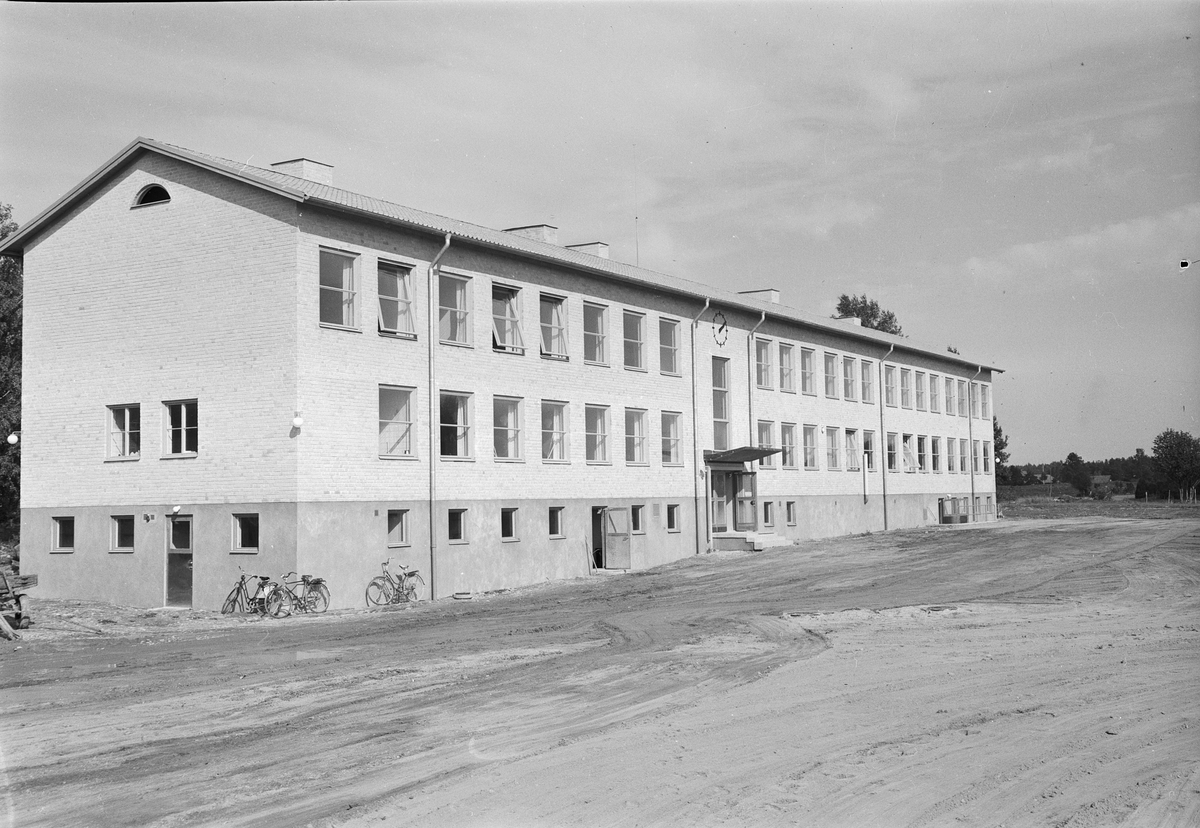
(389, 589)
(241, 600)
(307, 594)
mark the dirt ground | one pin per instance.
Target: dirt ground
(1028, 672)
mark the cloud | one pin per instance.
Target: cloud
(1079, 154)
(819, 220)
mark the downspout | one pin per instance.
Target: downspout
(434, 272)
(696, 464)
(971, 435)
(751, 381)
(883, 469)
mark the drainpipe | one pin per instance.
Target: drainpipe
(971, 434)
(883, 469)
(696, 459)
(434, 272)
(750, 373)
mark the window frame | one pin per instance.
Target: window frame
(764, 368)
(671, 455)
(950, 400)
(56, 534)
(637, 525)
(508, 325)
(636, 439)
(129, 436)
(889, 386)
(768, 513)
(808, 372)
(790, 512)
(670, 349)
(809, 444)
(867, 384)
(893, 452)
(466, 438)
(239, 522)
(906, 391)
(853, 451)
(556, 332)
(908, 448)
(985, 401)
(935, 454)
(951, 456)
(455, 318)
(639, 344)
(767, 462)
(397, 538)
(554, 523)
(350, 300)
(559, 438)
(464, 535)
(597, 339)
(514, 433)
(721, 425)
(117, 536)
(169, 430)
(673, 517)
(833, 448)
(919, 390)
(596, 443)
(963, 402)
(849, 378)
(922, 454)
(974, 394)
(403, 298)
(406, 426)
(787, 458)
(935, 392)
(987, 456)
(509, 524)
(832, 375)
(868, 449)
(787, 368)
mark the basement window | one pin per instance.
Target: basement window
(152, 194)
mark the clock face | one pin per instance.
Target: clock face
(720, 328)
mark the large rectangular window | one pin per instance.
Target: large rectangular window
(595, 334)
(720, 394)
(962, 456)
(833, 448)
(456, 525)
(339, 291)
(962, 398)
(868, 382)
(395, 301)
(670, 439)
(635, 436)
(596, 433)
(987, 457)
(506, 320)
(976, 457)
(951, 454)
(553, 314)
(454, 423)
(975, 400)
(764, 371)
(395, 421)
(831, 376)
(766, 439)
(672, 517)
(554, 522)
(245, 533)
(869, 450)
(454, 309)
(64, 534)
(668, 346)
(849, 378)
(908, 453)
(889, 385)
(810, 447)
(853, 452)
(893, 450)
(906, 388)
(935, 392)
(182, 429)
(554, 430)
(634, 326)
(124, 431)
(935, 453)
(508, 524)
(506, 428)
(807, 371)
(920, 387)
(985, 401)
(397, 527)
(787, 368)
(787, 442)
(950, 396)
(922, 453)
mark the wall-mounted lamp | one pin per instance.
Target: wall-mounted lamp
(14, 438)
(297, 421)
(174, 510)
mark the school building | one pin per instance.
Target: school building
(237, 368)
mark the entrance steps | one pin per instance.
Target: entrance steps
(747, 541)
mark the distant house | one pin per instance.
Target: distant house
(1044, 478)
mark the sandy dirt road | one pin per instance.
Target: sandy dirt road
(1025, 673)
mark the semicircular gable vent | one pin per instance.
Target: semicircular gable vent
(153, 194)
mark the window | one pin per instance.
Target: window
(670, 439)
(720, 381)
(868, 382)
(975, 400)
(962, 398)
(635, 436)
(891, 451)
(920, 380)
(397, 527)
(768, 513)
(951, 456)
(853, 453)
(506, 321)
(668, 346)
(790, 508)
(554, 326)
(787, 368)
(935, 453)
(635, 335)
(833, 448)
(807, 368)
(831, 376)
(889, 385)
(395, 301)
(596, 429)
(764, 371)
(182, 430)
(595, 333)
(950, 396)
(985, 401)
(810, 447)
(508, 524)
(245, 533)
(935, 391)
(122, 533)
(64, 535)
(787, 441)
(975, 456)
(635, 519)
(766, 439)
(906, 388)
(987, 457)
(456, 525)
(554, 430)
(124, 431)
(962, 456)
(339, 305)
(555, 522)
(922, 453)
(869, 449)
(455, 425)
(152, 194)
(506, 428)
(672, 517)
(395, 421)
(909, 455)
(454, 315)
(849, 379)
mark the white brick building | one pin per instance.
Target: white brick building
(228, 366)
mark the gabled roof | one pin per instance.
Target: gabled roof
(311, 192)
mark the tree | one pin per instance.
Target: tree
(869, 312)
(1177, 458)
(10, 381)
(999, 444)
(1076, 474)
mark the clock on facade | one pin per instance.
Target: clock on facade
(720, 329)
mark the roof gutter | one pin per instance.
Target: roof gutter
(697, 467)
(883, 469)
(434, 272)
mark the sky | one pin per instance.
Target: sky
(1019, 180)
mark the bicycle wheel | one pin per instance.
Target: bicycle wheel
(317, 598)
(231, 602)
(379, 592)
(279, 603)
(410, 589)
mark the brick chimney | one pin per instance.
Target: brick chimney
(307, 169)
(547, 233)
(593, 248)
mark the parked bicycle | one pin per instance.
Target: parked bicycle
(241, 599)
(392, 589)
(305, 594)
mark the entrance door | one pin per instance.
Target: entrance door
(617, 539)
(721, 496)
(746, 519)
(179, 561)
